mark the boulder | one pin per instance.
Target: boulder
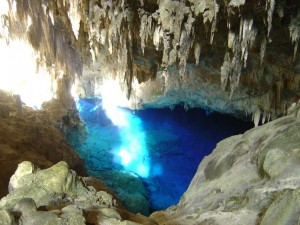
(57, 196)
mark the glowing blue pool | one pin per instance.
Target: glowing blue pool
(162, 147)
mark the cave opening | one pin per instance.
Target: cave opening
(149, 157)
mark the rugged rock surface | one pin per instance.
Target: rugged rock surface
(58, 196)
(34, 135)
(232, 56)
(248, 179)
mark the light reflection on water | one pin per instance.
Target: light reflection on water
(161, 146)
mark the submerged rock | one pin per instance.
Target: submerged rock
(129, 188)
(248, 179)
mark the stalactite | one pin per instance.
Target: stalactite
(116, 41)
(197, 52)
(256, 117)
(185, 44)
(156, 37)
(264, 117)
(166, 42)
(214, 22)
(209, 10)
(270, 11)
(231, 39)
(263, 47)
(74, 16)
(143, 29)
(247, 37)
(294, 28)
(236, 65)
(225, 71)
(178, 14)
(240, 44)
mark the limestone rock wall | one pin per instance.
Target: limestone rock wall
(248, 179)
(232, 56)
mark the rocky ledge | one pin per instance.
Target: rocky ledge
(248, 179)
(58, 196)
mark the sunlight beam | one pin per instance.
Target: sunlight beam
(19, 74)
(132, 154)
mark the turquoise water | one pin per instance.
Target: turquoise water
(161, 147)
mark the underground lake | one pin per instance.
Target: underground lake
(149, 157)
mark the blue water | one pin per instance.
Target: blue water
(163, 147)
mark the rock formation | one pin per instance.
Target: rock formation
(33, 135)
(236, 56)
(248, 179)
(58, 196)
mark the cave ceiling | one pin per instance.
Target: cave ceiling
(233, 56)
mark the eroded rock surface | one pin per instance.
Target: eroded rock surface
(58, 196)
(248, 179)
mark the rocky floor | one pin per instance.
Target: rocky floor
(58, 196)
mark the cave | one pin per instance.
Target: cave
(148, 145)
(150, 112)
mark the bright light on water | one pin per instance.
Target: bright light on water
(19, 74)
(125, 157)
(112, 98)
(171, 141)
(132, 153)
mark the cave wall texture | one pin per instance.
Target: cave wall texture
(232, 56)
